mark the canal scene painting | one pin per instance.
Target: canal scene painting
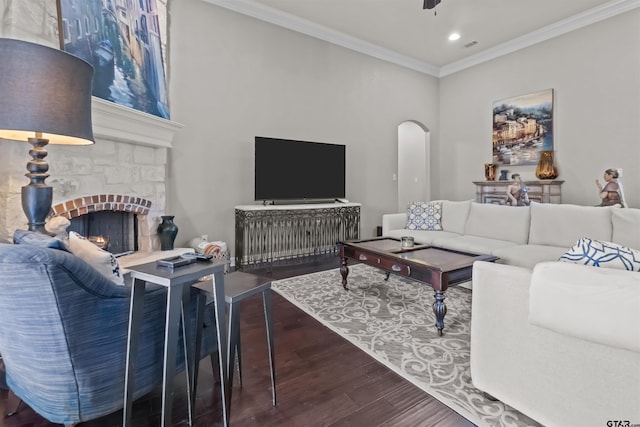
(123, 40)
(522, 128)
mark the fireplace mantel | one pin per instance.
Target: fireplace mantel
(116, 122)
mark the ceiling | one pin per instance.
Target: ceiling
(401, 31)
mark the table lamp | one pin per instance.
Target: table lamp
(45, 97)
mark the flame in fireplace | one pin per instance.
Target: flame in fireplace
(99, 241)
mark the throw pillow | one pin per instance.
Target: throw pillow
(24, 237)
(104, 262)
(424, 216)
(599, 253)
(57, 226)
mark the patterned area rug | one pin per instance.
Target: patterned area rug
(393, 322)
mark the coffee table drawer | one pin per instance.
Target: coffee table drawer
(382, 262)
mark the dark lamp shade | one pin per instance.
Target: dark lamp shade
(44, 93)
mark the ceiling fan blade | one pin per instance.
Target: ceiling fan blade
(430, 4)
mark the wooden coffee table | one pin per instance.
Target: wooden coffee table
(435, 266)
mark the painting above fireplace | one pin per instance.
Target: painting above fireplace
(124, 42)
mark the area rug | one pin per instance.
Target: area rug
(393, 322)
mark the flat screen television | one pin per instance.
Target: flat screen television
(298, 170)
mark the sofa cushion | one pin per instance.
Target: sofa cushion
(474, 244)
(421, 237)
(454, 215)
(598, 253)
(104, 262)
(528, 256)
(626, 227)
(424, 216)
(394, 221)
(594, 304)
(562, 225)
(498, 222)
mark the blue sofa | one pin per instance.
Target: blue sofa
(63, 334)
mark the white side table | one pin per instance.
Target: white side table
(174, 280)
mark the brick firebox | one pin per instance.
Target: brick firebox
(101, 202)
(113, 202)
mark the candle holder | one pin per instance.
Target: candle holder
(546, 168)
(490, 171)
(407, 242)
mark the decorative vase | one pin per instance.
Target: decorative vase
(167, 232)
(490, 171)
(546, 168)
(503, 175)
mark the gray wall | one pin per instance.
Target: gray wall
(233, 77)
(595, 74)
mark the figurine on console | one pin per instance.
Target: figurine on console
(611, 192)
(517, 192)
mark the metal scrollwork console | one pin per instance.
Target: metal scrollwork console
(272, 233)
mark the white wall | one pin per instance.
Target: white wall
(233, 77)
(595, 73)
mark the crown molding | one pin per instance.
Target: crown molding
(295, 23)
(564, 26)
(116, 122)
(304, 26)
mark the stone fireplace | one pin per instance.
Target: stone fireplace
(124, 171)
(129, 158)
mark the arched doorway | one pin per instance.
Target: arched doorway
(413, 163)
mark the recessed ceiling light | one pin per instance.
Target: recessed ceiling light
(454, 36)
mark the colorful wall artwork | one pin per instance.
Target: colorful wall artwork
(522, 128)
(123, 40)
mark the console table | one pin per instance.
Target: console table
(539, 191)
(278, 232)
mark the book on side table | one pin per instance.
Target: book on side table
(175, 261)
(184, 259)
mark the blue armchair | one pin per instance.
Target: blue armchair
(63, 334)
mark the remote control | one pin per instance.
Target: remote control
(197, 255)
(175, 261)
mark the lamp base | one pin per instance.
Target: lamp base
(37, 196)
(36, 203)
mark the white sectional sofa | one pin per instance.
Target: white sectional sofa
(521, 236)
(558, 341)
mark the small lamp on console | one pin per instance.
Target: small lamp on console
(45, 97)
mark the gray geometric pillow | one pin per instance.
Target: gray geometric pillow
(424, 216)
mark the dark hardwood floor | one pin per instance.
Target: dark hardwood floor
(321, 380)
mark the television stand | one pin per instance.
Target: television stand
(265, 234)
(298, 202)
